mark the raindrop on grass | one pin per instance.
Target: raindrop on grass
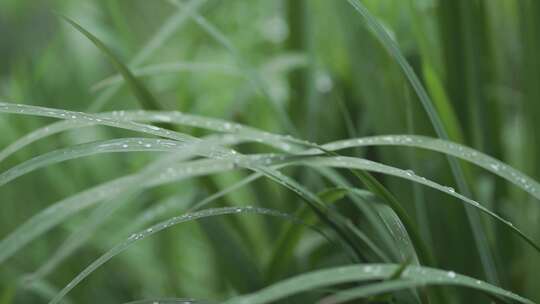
(323, 82)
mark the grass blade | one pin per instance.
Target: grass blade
(214, 152)
(403, 244)
(172, 67)
(272, 174)
(87, 149)
(367, 165)
(156, 173)
(136, 237)
(290, 237)
(459, 176)
(139, 90)
(170, 26)
(369, 272)
(124, 119)
(372, 290)
(81, 235)
(250, 73)
(449, 148)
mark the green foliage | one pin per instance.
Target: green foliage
(285, 151)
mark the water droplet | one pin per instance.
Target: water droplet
(124, 146)
(407, 139)
(409, 172)
(451, 274)
(148, 146)
(495, 167)
(323, 82)
(274, 29)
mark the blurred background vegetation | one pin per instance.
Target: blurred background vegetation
(318, 62)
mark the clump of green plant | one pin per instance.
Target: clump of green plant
(252, 216)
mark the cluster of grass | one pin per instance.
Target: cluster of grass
(293, 151)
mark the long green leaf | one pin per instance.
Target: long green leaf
(250, 73)
(139, 90)
(363, 164)
(171, 67)
(169, 27)
(88, 228)
(136, 237)
(221, 153)
(486, 255)
(374, 289)
(92, 148)
(449, 148)
(282, 142)
(369, 272)
(156, 173)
